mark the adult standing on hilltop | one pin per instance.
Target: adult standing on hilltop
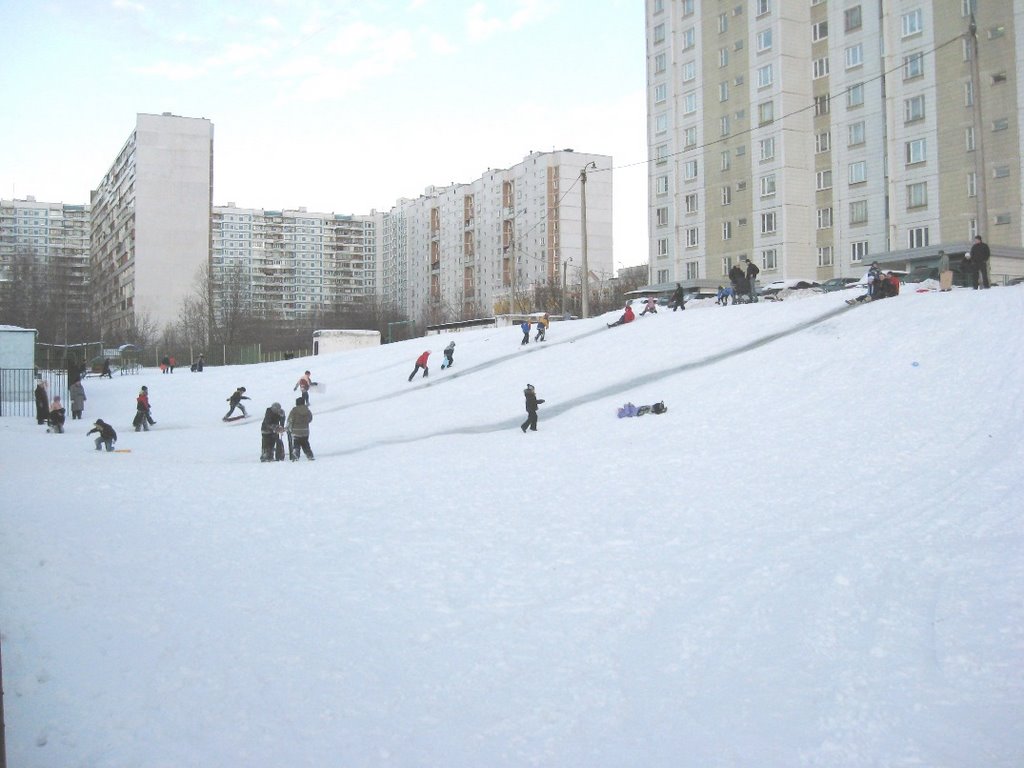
(677, 301)
(979, 256)
(945, 273)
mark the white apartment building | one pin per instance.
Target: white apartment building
(292, 264)
(814, 136)
(44, 260)
(151, 222)
(470, 250)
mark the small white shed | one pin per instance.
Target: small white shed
(17, 347)
(339, 340)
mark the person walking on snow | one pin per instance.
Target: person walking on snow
(78, 399)
(449, 355)
(304, 383)
(525, 326)
(143, 418)
(542, 328)
(677, 300)
(270, 432)
(531, 409)
(107, 435)
(236, 402)
(421, 362)
(298, 430)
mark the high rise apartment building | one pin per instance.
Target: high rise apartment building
(474, 249)
(151, 222)
(292, 264)
(44, 264)
(813, 136)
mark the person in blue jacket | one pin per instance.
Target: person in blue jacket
(525, 325)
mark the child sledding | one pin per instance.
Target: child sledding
(629, 410)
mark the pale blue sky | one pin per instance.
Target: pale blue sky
(342, 106)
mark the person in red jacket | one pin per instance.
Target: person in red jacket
(421, 362)
(627, 317)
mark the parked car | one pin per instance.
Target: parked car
(773, 288)
(838, 284)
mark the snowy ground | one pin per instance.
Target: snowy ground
(813, 559)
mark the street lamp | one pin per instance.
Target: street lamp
(585, 305)
(565, 267)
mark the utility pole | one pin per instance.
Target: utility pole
(565, 267)
(585, 299)
(979, 134)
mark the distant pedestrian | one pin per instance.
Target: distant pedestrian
(106, 369)
(298, 430)
(236, 402)
(449, 355)
(165, 364)
(172, 363)
(678, 301)
(107, 435)
(979, 256)
(945, 273)
(531, 409)
(525, 327)
(78, 399)
(42, 402)
(421, 362)
(751, 275)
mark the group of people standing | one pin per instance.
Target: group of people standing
(743, 282)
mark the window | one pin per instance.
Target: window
(689, 38)
(661, 154)
(723, 91)
(690, 136)
(690, 170)
(911, 24)
(824, 218)
(661, 123)
(859, 212)
(967, 7)
(913, 66)
(858, 172)
(659, 6)
(723, 23)
(968, 94)
(769, 259)
(766, 148)
(692, 203)
(969, 138)
(1001, 218)
(764, 7)
(726, 265)
(819, 31)
(689, 70)
(692, 237)
(995, 32)
(856, 134)
(823, 180)
(768, 223)
(915, 151)
(765, 76)
(1001, 124)
(689, 103)
(764, 40)
(660, 93)
(661, 185)
(767, 184)
(972, 229)
(1001, 172)
(913, 109)
(659, 63)
(723, 125)
(917, 237)
(998, 78)
(687, 7)
(854, 56)
(765, 112)
(725, 160)
(855, 96)
(659, 34)
(661, 216)
(917, 195)
(662, 247)
(726, 195)
(858, 250)
(819, 68)
(821, 105)
(726, 230)
(852, 19)
(822, 142)
(825, 256)
(663, 276)
(723, 57)
(972, 184)
(692, 270)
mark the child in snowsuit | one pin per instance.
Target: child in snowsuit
(298, 430)
(236, 402)
(421, 362)
(56, 417)
(542, 328)
(449, 355)
(270, 431)
(107, 434)
(143, 418)
(627, 317)
(78, 399)
(525, 325)
(531, 409)
(650, 305)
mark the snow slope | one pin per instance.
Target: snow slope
(813, 559)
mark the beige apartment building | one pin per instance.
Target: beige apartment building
(150, 232)
(815, 136)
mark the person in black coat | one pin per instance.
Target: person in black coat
(107, 434)
(739, 282)
(270, 431)
(677, 301)
(42, 403)
(531, 409)
(751, 275)
(978, 258)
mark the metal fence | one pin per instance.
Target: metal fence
(18, 388)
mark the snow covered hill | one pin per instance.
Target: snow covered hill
(814, 558)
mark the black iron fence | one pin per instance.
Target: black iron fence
(18, 389)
